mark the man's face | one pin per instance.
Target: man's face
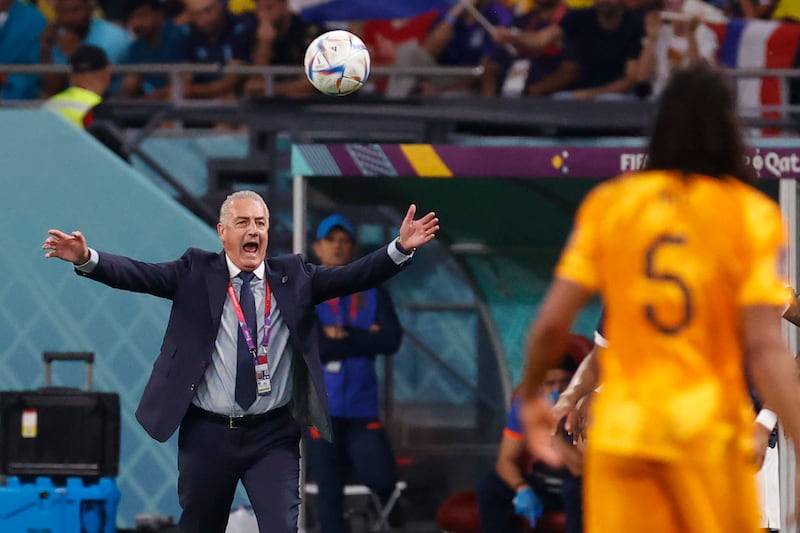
(146, 22)
(244, 233)
(335, 249)
(556, 379)
(206, 15)
(74, 15)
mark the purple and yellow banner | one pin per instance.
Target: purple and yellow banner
(447, 161)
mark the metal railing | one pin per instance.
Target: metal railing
(176, 71)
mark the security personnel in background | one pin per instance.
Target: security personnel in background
(353, 330)
(90, 76)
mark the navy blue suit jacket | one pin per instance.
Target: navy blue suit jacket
(197, 284)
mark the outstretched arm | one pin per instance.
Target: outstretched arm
(545, 346)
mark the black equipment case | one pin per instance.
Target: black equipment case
(60, 431)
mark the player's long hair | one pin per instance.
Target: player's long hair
(697, 130)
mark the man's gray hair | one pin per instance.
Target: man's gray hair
(225, 209)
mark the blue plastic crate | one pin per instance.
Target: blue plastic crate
(43, 507)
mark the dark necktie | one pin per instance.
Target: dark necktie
(245, 369)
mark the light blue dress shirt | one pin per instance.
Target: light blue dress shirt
(216, 392)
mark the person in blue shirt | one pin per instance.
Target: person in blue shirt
(20, 26)
(75, 24)
(354, 329)
(217, 36)
(158, 40)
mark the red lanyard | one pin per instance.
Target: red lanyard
(237, 308)
(334, 303)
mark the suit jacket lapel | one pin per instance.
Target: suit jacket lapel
(217, 280)
(283, 296)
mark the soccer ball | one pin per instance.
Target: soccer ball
(337, 63)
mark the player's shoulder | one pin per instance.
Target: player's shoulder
(625, 186)
(756, 206)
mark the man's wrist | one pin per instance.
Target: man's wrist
(521, 485)
(402, 249)
(88, 266)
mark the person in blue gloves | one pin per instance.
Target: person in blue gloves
(517, 485)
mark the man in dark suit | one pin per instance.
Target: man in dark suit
(239, 368)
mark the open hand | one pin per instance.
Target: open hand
(415, 233)
(68, 247)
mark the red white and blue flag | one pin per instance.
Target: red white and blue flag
(759, 44)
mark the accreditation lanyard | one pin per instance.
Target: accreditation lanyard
(334, 304)
(237, 308)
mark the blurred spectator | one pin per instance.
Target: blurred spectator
(605, 41)
(518, 485)
(535, 72)
(281, 39)
(383, 37)
(158, 40)
(216, 36)
(73, 26)
(90, 76)
(788, 10)
(456, 39)
(20, 26)
(672, 45)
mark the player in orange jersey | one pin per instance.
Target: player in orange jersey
(687, 259)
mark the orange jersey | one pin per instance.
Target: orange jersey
(675, 260)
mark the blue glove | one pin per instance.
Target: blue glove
(527, 504)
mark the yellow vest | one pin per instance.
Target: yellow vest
(73, 104)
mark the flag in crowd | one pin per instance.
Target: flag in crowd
(324, 10)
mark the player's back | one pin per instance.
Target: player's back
(674, 257)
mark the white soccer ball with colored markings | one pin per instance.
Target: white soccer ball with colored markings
(337, 63)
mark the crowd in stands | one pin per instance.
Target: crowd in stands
(581, 49)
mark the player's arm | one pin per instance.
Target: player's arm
(546, 344)
(582, 384)
(549, 334)
(584, 381)
(771, 366)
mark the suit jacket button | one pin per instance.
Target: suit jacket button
(192, 387)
